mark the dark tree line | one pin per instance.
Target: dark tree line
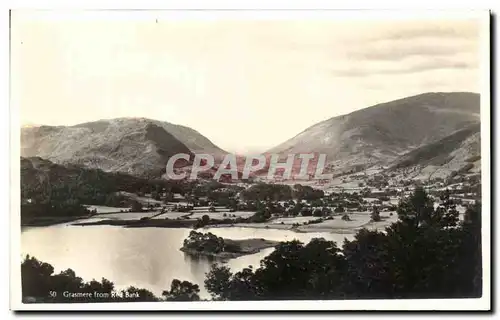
(38, 281)
(427, 253)
(39, 284)
(52, 190)
(206, 242)
(279, 192)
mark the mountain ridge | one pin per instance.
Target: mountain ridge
(383, 132)
(138, 146)
(384, 103)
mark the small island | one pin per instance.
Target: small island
(209, 245)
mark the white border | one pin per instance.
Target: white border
(434, 304)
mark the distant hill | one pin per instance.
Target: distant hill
(44, 181)
(382, 133)
(137, 146)
(459, 152)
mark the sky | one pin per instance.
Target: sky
(246, 82)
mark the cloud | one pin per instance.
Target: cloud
(368, 69)
(398, 51)
(234, 76)
(465, 31)
(410, 50)
(420, 29)
(396, 42)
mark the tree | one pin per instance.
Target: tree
(243, 286)
(446, 213)
(296, 209)
(306, 212)
(68, 281)
(105, 288)
(169, 197)
(339, 209)
(425, 254)
(346, 217)
(472, 229)
(428, 259)
(301, 192)
(135, 206)
(155, 195)
(292, 271)
(182, 291)
(375, 215)
(205, 219)
(317, 203)
(206, 242)
(39, 282)
(218, 282)
(281, 273)
(367, 273)
(141, 294)
(318, 212)
(262, 215)
(35, 277)
(326, 211)
(267, 192)
(233, 205)
(114, 200)
(416, 209)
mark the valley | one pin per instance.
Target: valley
(107, 180)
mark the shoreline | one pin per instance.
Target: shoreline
(52, 221)
(327, 226)
(147, 223)
(246, 246)
(159, 223)
(272, 226)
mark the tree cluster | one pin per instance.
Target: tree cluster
(267, 192)
(426, 254)
(39, 281)
(205, 242)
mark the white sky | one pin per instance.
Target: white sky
(246, 84)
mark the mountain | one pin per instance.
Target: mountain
(53, 193)
(44, 180)
(382, 133)
(459, 152)
(137, 146)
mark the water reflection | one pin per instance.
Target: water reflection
(142, 257)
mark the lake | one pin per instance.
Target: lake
(142, 257)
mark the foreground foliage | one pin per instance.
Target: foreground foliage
(427, 253)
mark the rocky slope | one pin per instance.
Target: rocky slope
(459, 152)
(135, 146)
(382, 133)
(43, 180)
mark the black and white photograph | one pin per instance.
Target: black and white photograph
(250, 160)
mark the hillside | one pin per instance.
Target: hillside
(53, 193)
(43, 181)
(382, 133)
(135, 146)
(459, 152)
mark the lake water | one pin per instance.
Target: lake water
(142, 257)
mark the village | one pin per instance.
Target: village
(344, 205)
